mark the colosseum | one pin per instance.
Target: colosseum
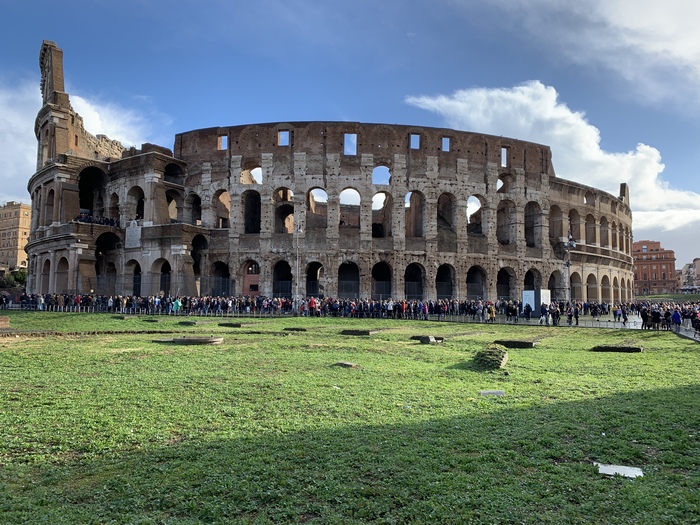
(334, 209)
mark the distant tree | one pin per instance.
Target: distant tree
(20, 276)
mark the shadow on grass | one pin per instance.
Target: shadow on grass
(504, 465)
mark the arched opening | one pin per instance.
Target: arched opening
(381, 281)
(251, 211)
(575, 225)
(447, 223)
(165, 278)
(557, 286)
(532, 280)
(252, 175)
(415, 213)
(133, 272)
(576, 287)
(284, 210)
(314, 273)
(533, 225)
(613, 236)
(556, 224)
(604, 233)
(200, 246)
(444, 281)
(505, 183)
(282, 280)
(45, 276)
(476, 283)
(348, 280)
(251, 278)
(506, 223)
(616, 291)
(349, 209)
(413, 282)
(381, 175)
(62, 276)
(221, 204)
(48, 209)
(591, 230)
(174, 201)
(591, 289)
(91, 185)
(135, 203)
(173, 173)
(505, 284)
(474, 218)
(589, 199)
(605, 290)
(106, 260)
(316, 209)
(382, 204)
(194, 206)
(113, 210)
(221, 284)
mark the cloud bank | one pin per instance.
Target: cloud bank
(533, 112)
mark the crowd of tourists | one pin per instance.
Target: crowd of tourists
(653, 315)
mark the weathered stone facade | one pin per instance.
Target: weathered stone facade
(315, 208)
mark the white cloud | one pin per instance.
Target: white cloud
(533, 112)
(18, 108)
(654, 46)
(125, 125)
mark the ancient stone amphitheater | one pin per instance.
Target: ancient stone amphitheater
(334, 209)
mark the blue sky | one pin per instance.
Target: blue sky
(613, 86)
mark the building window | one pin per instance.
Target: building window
(415, 141)
(283, 138)
(350, 144)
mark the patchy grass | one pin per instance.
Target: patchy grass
(112, 428)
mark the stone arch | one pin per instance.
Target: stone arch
(591, 230)
(174, 201)
(200, 248)
(92, 182)
(445, 281)
(252, 173)
(107, 255)
(348, 280)
(382, 206)
(220, 282)
(616, 291)
(381, 175)
(475, 224)
(282, 280)
(613, 236)
(113, 210)
(533, 225)
(591, 288)
(132, 276)
(415, 214)
(135, 203)
(48, 209)
(316, 209)
(414, 280)
(506, 284)
(45, 276)
(162, 273)
(605, 289)
(589, 199)
(447, 222)
(629, 289)
(193, 204)
(505, 183)
(576, 287)
(314, 278)
(476, 283)
(506, 222)
(532, 280)
(252, 211)
(557, 286)
(221, 206)
(251, 278)
(381, 280)
(556, 224)
(604, 233)
(283, 199)
(575, 225)
(350, 201)
(62, 269)
(174, 173)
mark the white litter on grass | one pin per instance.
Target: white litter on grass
(611, 470)
(493, 393)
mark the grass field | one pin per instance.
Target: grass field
(111, 427)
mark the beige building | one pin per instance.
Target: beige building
(15, 221)
(339, 209)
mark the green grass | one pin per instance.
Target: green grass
(114, 428)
